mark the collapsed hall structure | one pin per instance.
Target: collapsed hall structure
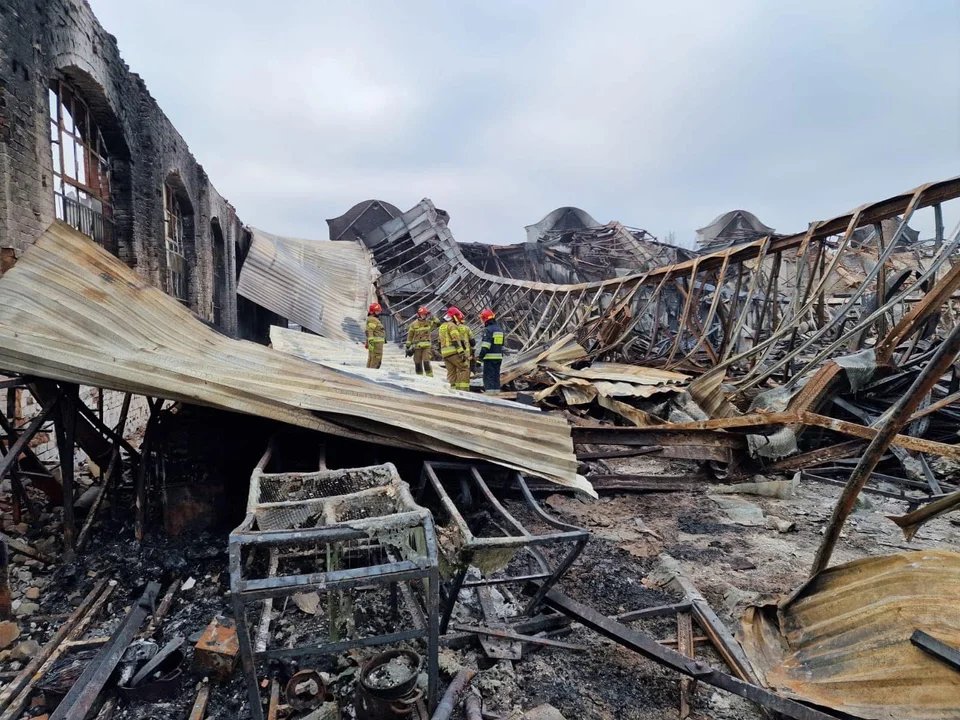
(718, 482)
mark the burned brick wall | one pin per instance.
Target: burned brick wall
(130, 153)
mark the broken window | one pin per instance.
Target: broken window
(81, 165)
(173, 235)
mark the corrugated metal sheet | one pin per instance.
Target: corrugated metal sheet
(321, 285)
(70, 311)
(617, 372)
(843, 639)
(396, 366)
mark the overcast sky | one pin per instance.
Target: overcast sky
(659, 114)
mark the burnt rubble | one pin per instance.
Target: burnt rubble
(728, 442)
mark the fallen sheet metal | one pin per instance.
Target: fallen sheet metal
(842, 640)
(322, 285)
(351, 356)
(619, 373)
(72, 312)
(565, 349)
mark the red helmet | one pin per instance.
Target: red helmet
(422, 311)
(486, 314)
(375, 308)
(454, 312)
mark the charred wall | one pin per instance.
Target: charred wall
(61, 40)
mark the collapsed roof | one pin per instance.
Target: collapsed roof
(568, 246)
(731, 228)
(70, 311)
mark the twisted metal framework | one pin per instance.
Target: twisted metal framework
(577, 255)
(751, 310)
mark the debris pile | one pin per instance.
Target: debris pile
(701, 468)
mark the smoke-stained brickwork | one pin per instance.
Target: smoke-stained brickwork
(62, 41)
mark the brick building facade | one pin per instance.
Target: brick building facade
(82, 140)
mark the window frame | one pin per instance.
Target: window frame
(90, 158)
(174, 242)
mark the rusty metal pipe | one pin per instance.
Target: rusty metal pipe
(449, 701)
(892, 422)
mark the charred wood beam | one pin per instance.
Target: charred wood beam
(6, 597)
(605, 454)
(110, 433)
(80, 700)
(758, 420)
(140, 489)
(698, 669)
(14, 696)
(725, 643)
(109, 477)
(21, 442)
(66, 430)
(646, 483)
(510, 635)
(31, 466)
(15, 383)
(87, 437)
(816, 457)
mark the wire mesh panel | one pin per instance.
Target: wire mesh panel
(347, 546)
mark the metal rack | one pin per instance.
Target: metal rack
(357, 528)
(512, 536)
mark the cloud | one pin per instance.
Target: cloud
(661, 115)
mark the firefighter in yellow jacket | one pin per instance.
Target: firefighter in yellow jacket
(469, 341)
(418, 342)
(453, 353)
(375, 337)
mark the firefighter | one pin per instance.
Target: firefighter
(452, 351)
(418, 342)
(375, 337)
(491, 351)
(469, 342)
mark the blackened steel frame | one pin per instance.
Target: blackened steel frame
(245, 592)
(523, 540)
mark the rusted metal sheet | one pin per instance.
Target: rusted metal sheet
(71, 312)
(842, 640)
(321, 285)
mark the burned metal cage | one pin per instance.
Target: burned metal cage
(357, 539)
(493, 546)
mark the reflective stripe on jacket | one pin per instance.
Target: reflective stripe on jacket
(491, 347)
(419, 333)
(375, 330)
(450, 340)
